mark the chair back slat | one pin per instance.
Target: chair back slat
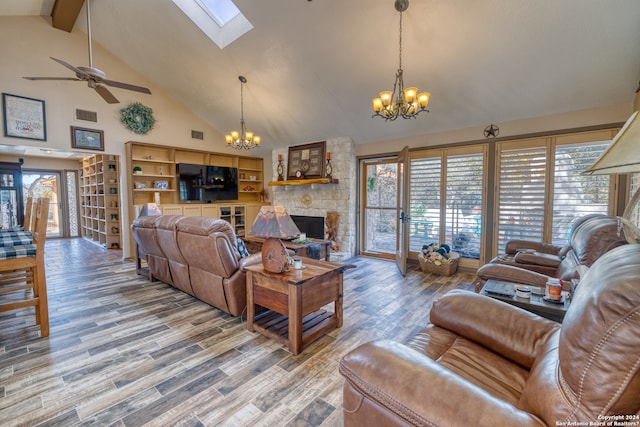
(28, 215)
(40, 223)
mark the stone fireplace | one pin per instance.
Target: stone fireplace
(316, 200)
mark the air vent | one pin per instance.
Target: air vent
(86, 116)
(196, 134)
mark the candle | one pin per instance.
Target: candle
(279, 156)
(328, 155)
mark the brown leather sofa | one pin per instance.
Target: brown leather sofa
(532, 263)
(481, 362)
(197, 255)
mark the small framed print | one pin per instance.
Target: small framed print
(24, 117)
(88, 139)
(306, 161)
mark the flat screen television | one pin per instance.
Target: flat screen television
(202, 183)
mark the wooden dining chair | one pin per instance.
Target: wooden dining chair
(22, 272)
(28, 215)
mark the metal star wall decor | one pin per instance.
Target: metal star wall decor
(491, 131)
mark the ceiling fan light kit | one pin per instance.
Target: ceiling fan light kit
(400, 102)
(95, 78)
(242, 139)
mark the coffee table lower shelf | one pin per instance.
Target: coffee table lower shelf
(276, 326)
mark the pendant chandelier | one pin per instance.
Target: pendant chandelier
(242, 139)
(406, 103)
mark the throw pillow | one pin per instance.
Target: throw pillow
(242, 248)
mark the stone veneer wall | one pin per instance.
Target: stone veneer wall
(339, 197)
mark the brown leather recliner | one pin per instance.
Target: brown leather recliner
(590, 239)
(197, 255)
(482, 362)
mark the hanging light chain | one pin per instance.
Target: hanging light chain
(407, 103)
(243, 139)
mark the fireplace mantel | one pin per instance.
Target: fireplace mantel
(303, 182)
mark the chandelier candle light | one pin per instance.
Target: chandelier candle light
(243, 139)
(407, 103)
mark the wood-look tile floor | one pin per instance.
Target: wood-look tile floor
(127, 352)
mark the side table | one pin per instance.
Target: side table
(535, 304)
(294, 301)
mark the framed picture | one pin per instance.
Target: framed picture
(306, 161)
(88, 139)
(24, 117)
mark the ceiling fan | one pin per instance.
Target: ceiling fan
(95, 78)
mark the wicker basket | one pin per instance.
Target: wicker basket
(445, 269)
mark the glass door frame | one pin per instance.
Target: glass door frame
(363, 164)
(59, 205)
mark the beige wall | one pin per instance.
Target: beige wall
(558, 122)
(28, 42)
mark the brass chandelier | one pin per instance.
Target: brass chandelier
(401, 102)
(242, 139)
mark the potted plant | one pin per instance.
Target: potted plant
(137, 170)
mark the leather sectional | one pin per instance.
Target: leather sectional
(197, 255)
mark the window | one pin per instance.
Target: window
(220, 20)
(447, 198)
(521, 193)
(574, 194)
(424, 202)
(634, 185)
(527, 208)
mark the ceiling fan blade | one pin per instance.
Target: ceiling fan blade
(105, 94)
(52, 78)
(126, 86)
(69, 66)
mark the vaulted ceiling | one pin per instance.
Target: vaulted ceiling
(313, 66)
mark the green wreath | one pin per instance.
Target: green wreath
(137, 118)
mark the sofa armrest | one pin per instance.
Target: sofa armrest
(509, 273)
(514, 245)
(538, 258)
(419, 390)
(489, 322)
(250, 260)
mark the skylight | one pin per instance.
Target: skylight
(222, 11)
(220, 20)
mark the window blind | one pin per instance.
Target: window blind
(521, 194)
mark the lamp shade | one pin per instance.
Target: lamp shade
(623, 155)
(274, 221)
(150, 209)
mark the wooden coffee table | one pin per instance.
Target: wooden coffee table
(294, 302)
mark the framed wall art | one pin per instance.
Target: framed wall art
(306, 161)
(24, 117)
(88, 139)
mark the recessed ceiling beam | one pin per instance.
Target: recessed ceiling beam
(65, 13)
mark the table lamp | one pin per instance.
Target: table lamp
(623, 156)
(274, 223)
(150, 209)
